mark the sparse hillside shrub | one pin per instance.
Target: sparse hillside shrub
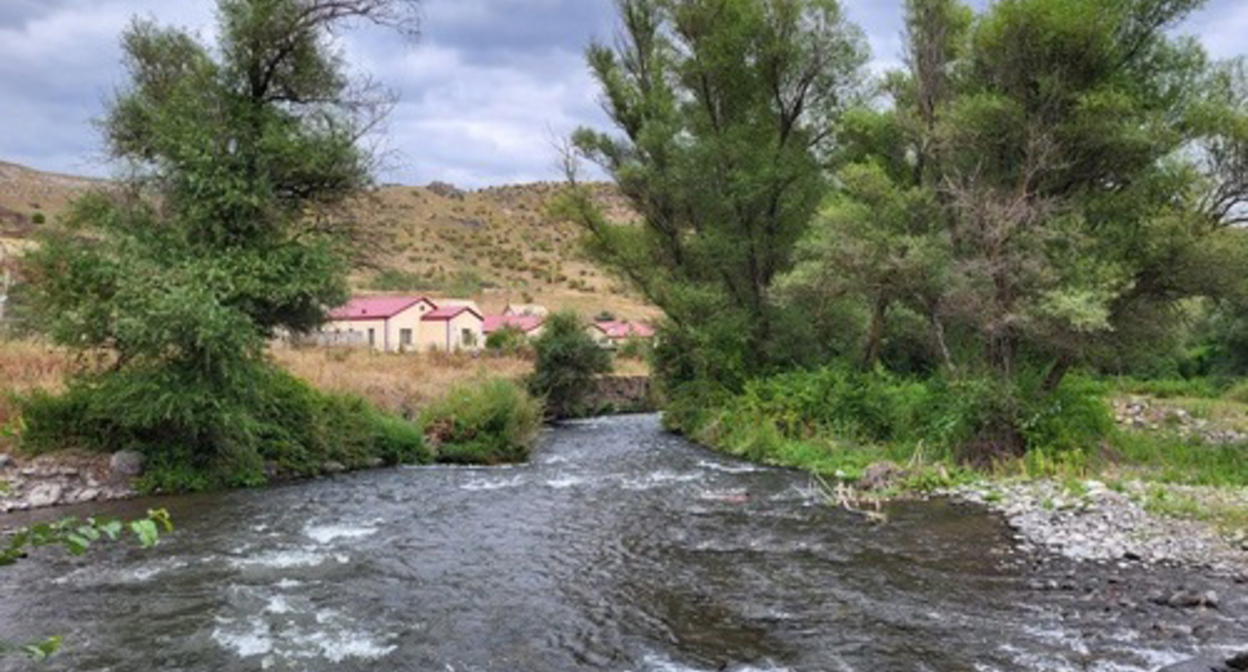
(568, 359)
(38, 218)
(490, 423)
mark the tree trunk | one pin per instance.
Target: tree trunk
(875, 334)
(1056, 373)
(938, 332)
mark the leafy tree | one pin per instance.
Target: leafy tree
(568, 359)
(724, 110)
(225, 234)
(1053, 180)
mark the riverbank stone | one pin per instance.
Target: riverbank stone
(44, 494)
(331, 467)
(126, 464)
(5, 461)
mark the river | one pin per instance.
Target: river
(618, 548)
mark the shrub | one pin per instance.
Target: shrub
(508, 341)
(1238, 392)
(568, 359)
(198, 438)
(494, 422)
(977, 420)
(38, 218)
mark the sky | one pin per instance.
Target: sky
(485, 93)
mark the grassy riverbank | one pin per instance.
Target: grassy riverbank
(314, 411)
(837, 423)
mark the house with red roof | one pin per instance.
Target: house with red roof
(452, 327)
(529, 325)
(384, 323)
(612, 333)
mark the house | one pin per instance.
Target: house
(612, 333)
(452, 328)
(525, 309)
(529, 325)
(384, 323)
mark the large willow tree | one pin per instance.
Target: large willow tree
(724, 111)
(221, 235)
(1052, 180)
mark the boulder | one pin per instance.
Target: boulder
(126, 464)
(331, 467)
(5, 461)
(44, 494)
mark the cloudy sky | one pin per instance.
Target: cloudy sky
(483, 94)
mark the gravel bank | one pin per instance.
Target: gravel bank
(1097, 523)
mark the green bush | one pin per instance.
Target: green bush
(568, 359)
(197, 438)
(490, 423)
(827, 416)
(1237, 392)
(509, 340)
(38, 218)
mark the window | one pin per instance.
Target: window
(372, 337)
(405, 337)
(467, 338)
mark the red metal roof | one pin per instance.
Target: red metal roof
(447, 313)
(525, 323)
(624, 329)
(375, 307)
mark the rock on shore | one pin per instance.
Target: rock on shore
(65, 478)
(1101, 524)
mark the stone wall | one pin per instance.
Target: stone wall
(622, 394)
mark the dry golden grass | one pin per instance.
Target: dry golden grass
(397, 382)
(505, 237)
(26, 366)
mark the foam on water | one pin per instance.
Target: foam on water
(566, 481)
(730, 468)
(657, 479)
(287, 559)
(495, 484)
(324, 534)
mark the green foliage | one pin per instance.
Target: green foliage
(875, 415)
(722, 110)
(509, 341)
(1237, 392)
(489, 423)
(275, 425)
(226, 236)
(568, 359)
(38, 218)
(634, 348)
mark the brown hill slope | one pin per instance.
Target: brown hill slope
(494, 245)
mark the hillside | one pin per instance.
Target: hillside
(496, 244)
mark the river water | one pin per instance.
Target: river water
(618, 548)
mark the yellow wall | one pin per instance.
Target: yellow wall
(435, 335)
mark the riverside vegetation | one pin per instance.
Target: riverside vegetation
(227, 232)
(953, 267)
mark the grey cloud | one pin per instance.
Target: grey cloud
(482, 93)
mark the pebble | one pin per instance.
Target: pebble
(1104, 525)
